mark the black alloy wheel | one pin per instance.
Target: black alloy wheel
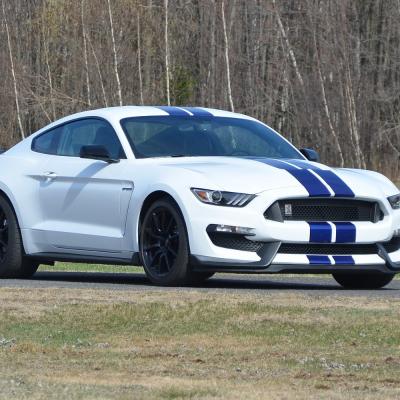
(161, 241)
(3, 235)
(13, 261)
(164, 246)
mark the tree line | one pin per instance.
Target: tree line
(324, 73)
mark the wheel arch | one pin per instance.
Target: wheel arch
(154, 196)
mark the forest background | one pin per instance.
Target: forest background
(324, 73)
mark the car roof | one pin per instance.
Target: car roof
(117, 113)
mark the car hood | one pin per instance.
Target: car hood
(256, 175)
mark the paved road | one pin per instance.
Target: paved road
(220, 283)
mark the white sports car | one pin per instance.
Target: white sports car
(186, 192)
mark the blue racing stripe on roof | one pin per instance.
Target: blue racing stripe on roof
(174, 111)
(310, 182)
(198, 112)
(344, 260)
(319, 260)
(320, 232)
(339, 187)
(345, 232)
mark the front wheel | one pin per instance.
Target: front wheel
(367, 280)
(164, 245)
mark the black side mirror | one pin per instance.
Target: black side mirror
(310, 154)
(96, 152)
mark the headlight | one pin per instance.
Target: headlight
(395, 201)
(229, 199)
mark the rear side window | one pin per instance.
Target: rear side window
(68, 139)
(48, 142)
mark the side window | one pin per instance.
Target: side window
(48, 142)
(68, 139)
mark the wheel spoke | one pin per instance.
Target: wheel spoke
(156, 222)
(167, 262)
(174, 236)
(151, 247)
(173, 252)
(154, 256)
(163, 217)
(170, 224)
(153, 234)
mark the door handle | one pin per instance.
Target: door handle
(49, 175)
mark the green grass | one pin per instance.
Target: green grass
(77, 267)
(64, 343)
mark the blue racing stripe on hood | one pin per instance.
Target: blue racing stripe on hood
(339, 187)
(309, 181)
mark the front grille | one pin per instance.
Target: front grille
(324, 210)
(236, 242)
(337, 249)
(331, 249)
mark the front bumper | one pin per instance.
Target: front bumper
(271, 262)
(268, 259)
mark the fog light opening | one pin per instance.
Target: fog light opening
(236, 230)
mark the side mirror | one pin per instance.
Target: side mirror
(95, 152)
(310, 154)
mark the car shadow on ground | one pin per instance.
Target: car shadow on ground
(220, 281)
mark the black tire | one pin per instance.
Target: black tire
(197, 278)
(164, 245)
(367, 280)
(13, 263)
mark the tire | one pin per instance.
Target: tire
(197, 278)
(164, 245)
(13, 262)
(367, 280)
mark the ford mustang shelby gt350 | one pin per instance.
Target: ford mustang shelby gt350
(186, 192)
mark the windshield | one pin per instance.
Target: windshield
(167, 136)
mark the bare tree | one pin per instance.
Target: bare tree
(139, 58)
(167, 77)
(226, 45)
(85, 54)
(13, 72)
(115, 57)
(325, 73)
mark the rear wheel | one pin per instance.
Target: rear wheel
(367, 280)
(164, 246)
(13, 262)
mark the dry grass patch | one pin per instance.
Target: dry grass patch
(75, 343)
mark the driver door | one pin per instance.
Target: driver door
(84, 202)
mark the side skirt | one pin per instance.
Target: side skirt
(51, 258)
